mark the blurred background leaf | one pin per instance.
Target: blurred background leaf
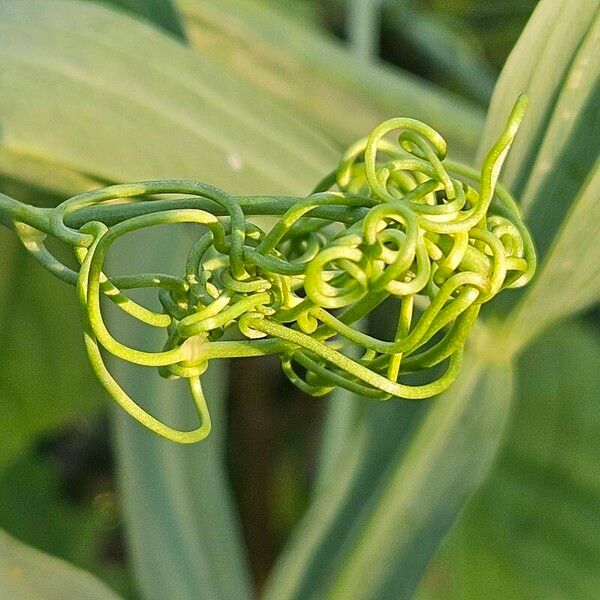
(48, 382)
(81, 525)
(319, 76)
(533, 530)
(394, 490)
(165, 112)
(26, 573)
(553, 167)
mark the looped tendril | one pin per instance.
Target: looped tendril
(396, 219)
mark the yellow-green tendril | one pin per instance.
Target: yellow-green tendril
(396, 219)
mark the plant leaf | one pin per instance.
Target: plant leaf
(157, 110)
(553, 166)
(533, 530)
(405, 474)
(45, 379)
(26, 573)
(165, 111)
(183, 532)
(46, 353)
(570, 278)
(320, 77)
(182, 527)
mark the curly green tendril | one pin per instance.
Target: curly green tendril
(395, 219)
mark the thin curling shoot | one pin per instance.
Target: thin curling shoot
(397, 220)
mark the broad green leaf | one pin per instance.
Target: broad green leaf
(118, 100)
(44, 376)
(553, 166)
(159, 12)
(43, 383)
(28, 574)
(141, 106)
(542, 64)
(342, 418)
(182, 528)
(570, 278)
(319, 77)
(401, 481)
(39, 181)
(533, 530)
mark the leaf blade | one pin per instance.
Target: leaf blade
(531, 530)
(553, 164)
(161, 12)
(27, 573)
(193, 110)
(372, 489)
(320, 77)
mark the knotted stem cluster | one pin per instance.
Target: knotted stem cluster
(396, 219)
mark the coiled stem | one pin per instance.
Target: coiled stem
(396, 219)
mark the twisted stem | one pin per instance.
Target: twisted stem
(395, 220)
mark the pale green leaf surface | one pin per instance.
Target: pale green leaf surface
(28, 574)
(342, 416)
(552, 167)
(120, 101)
(182, 527)
(570, 278)
(533, 530)
(158, 109)
(540, 65)
(183, 533)
(320, 77)
(403, 477)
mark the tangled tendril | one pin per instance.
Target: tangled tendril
(396, 219)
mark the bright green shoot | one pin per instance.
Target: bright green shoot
(396, 219)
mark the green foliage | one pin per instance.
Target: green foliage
(166, 106)
(394, 491)
(161, 12)
(319, 77)
(38, 335)
(26, 573)
(76, 529)
(108, 100)
(532, 530)
(182, 531)
(554, 168)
